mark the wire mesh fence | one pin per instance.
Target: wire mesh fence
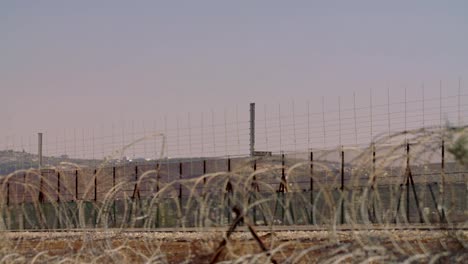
(382, 171)
(415, 181)
(284, 127)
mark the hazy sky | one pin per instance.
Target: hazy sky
(78, 64)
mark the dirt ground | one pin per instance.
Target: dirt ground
(201, 247)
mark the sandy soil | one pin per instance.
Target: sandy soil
(201, 247)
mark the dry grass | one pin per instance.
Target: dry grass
(199, 247)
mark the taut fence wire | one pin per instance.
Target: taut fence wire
(411, 177)
(369, 182)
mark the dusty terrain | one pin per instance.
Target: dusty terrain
(200, 247)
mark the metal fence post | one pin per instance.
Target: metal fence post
(41, 194)
(254, 189)
(95, 185)
(229, 190)
(252, 129)
(203, 191)
(58, 187)
(311, 171)
(76, 185)
(342, 188)
(204, 171)
(115, 197)
(24, 188)
(180, 184)
(95, 198)
(180, 192)
(158, 176)
(136, 189)
(285, 186)
(372, 213)
(8, 193)
(41, 186)
(407, 185)
(442, 185)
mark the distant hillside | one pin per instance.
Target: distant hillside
(11, 161)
